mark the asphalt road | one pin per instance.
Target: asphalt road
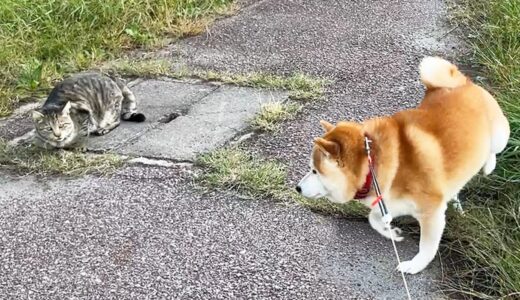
(149, 233)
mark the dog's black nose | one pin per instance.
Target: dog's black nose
(298, 189)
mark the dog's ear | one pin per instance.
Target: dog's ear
(330, 148)
(326, 126)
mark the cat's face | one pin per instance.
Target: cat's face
(55, 126)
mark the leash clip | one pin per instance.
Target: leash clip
(367, 145)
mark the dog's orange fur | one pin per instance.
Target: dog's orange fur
(424, 155)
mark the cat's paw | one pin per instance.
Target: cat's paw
(75, 147)
(101, 131)
(81, 149)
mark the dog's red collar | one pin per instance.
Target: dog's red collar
(365, 190)
(367, 186)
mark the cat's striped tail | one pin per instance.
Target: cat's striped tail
(129, 107)
(133, 117)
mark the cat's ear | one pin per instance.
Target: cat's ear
(66, 108)
(36, 115)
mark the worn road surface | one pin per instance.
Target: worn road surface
(149, 233)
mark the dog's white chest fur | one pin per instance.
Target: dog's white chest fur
(401, 207)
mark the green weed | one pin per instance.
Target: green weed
(300, 86)
(28, 159)
(487, 238)
(272, 113)
(235, 169)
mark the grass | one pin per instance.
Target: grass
(36, 161)
(238, 170)
(252, 176)
(300, 86)
(43, 40)
(488, 236)
(272, 113)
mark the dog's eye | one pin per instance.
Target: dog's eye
(314, 172)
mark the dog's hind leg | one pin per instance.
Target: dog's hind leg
(499, 138)
(490, 164)
(499, 131)
(457, 204)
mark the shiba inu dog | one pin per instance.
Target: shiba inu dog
(422, 157)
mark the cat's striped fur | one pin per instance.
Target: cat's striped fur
(86, 103)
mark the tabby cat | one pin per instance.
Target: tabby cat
(80, 105)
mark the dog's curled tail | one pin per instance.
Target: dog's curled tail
(436, 72)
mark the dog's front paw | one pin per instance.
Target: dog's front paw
(396, 233)
(411, 266)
